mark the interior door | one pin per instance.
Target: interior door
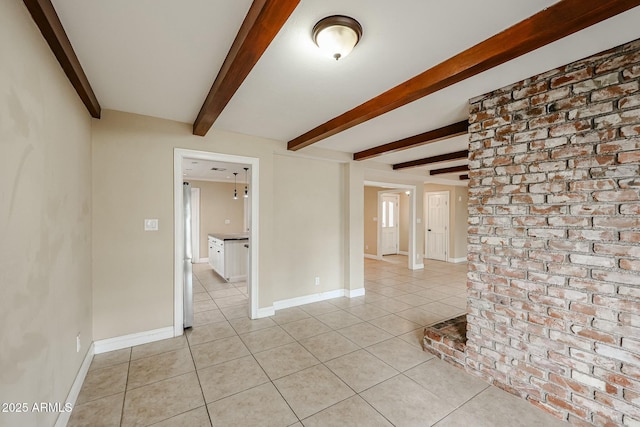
(389, 224)
(437, 233)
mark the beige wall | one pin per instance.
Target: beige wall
(45, 222)
(371, 226)
(300, 226)
(458, 215)
(216, 206)
(308, 227)
(403, 222)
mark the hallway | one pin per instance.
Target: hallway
(344, 361)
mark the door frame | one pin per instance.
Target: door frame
(179, 154)
(413, 263)
(397, 212)
(426, 224)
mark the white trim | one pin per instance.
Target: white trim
(353, 293)
(124, 341)
(72, 397)
(403, 253)
(179, 154)
(266, 312)
(203, 261)
(308, 299)
(419, 266)
(457, 260)
(371, 256)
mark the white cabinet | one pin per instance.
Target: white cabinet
(228, 258)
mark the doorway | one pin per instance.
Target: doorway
(437, 227)
(252, 216)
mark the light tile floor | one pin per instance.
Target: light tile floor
(355, 362)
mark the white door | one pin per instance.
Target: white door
(389, 224)
(437, 234)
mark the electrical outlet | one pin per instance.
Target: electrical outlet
(78, 343)
(227, 221)
(366, 247)
(317, 281)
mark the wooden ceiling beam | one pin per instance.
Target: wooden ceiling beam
(449, 131)
(452, 169)
(553, 23)
(457, 155)
(47, 20)
(264, 20)
(464, 177)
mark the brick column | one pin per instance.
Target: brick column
(554, 239)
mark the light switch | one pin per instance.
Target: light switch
(150, 225)
(418, 220)
(227, 221)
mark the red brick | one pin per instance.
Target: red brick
(572, 77)
(568, 103)
(570, 128)
(531, 90)
(594, 184)
(591, 110)
(629, 157)
(631, 72)
(616, 249)
(629, 102)
(614, 91)
(600, 235)
(569, 221)
(630, 264)
(550, 96)
(572, 152)
(617, 223)
(618, 119)
(596, 83)
(548, 166)
(546, 121)
(495, 122)
(497, 100)
(531, 135)
(616, 196)
(548, 143)
(592, 161)
(630, 209)
(618, 62)
(630, 236)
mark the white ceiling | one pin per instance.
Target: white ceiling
(160, 57)
(207, 170)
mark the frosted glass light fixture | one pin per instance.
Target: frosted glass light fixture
(337, 35)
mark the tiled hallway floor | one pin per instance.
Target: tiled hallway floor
(342, 362)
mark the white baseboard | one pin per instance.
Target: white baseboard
(418, 267)
(308, 299)
(370, 256)
(72, 397)
(457, 260)
(266, 312)
(403, 253)
(355, 293)
(234, 279)
(117, 343)
(202, 261)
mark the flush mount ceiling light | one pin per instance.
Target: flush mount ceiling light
(337, 35)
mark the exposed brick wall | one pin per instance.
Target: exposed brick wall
(554, 239)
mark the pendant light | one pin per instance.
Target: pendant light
(235, 186)
(337, 35)
(246, 183)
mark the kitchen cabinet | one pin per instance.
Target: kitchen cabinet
(228, 255)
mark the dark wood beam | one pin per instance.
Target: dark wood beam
(452, 169)
(264, 20)
(46, 18)
(553, 23)
(464, 177)
(435, 135)
(462, 154)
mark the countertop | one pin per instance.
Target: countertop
(234, 236)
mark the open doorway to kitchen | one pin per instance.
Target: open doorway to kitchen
(223, 221)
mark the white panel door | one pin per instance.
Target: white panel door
(389, 224)
(437, 234)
